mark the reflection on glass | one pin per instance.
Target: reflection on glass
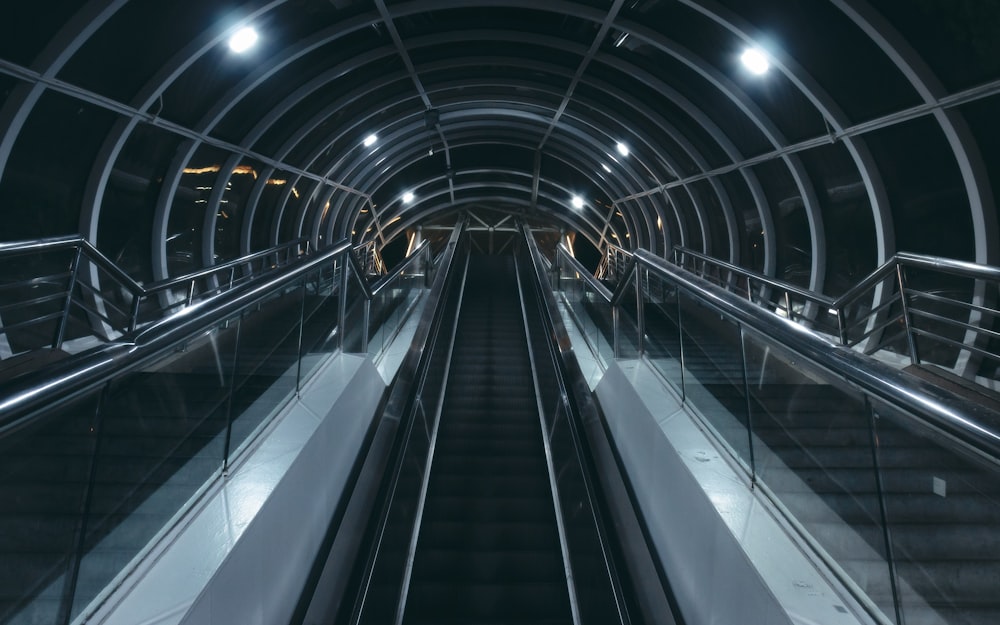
(44, 472)
(267, 361)
(813, 450)
(662, 332)
(713, 373)
(162, 436)
(943, 510)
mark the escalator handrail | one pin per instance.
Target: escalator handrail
(65, 381)
(411, 260)
(970, 422)
(585, 274)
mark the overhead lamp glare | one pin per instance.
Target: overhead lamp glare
(407, 197)
(577, 201)
(755, 61)
(370, 140)
(622, 148)
(606, 168)
(243, 39)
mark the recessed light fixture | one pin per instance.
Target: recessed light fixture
(622, 148)
(370, 140)
(407, 197)
(755, 61)
(243, 39)
(606, 168)
(577, 201)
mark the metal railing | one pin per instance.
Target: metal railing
(54, 287)
(868, 463)
(613, 263)
(929, 309)
(144, 422)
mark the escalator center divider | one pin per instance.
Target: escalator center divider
(487, 545)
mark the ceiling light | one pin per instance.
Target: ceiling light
(756, 61)
(606, 168)
(577, 201)
(370, 140)
(622, 148)
(243, 39)
(407, 197)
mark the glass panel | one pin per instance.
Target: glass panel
(44, 474)
(354, 317)
(43, 182)
(267, 361)
(812, 450)
(322, 316)
(943, 513)
(185, 231)
(588, 311)
(129, 202)
(162, 436)
(662, 334)
(627, 324)
(390, 307)
(713, 373)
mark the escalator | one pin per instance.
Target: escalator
(488, 548)
(482, 510)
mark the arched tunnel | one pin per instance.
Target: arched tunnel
(802, 145)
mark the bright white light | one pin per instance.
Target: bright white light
(407, 197)
(606, 168)
(577, 201)
(756, 61)
(370, 140)
(243, 39)
(622, 148)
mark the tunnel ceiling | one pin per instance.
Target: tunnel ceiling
(874, 129)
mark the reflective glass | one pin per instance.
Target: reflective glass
(749, 218)
(713, 373)
(135, 44)
(930, 207)
(263, 231)
(791, 222)
(129, 203)
(43, 183)
(267, 362)
(186, 224)
(162, 437)
(33, 26)
(232, 209)
(354, 331)
(957, 40)
(44, 477)
(843, 60)
(813, 451)
(662, 339)
(942, 508)
(297, 196)
(321, 315)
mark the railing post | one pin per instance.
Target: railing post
(229, 399)
(190, 294)
(64, 320)
(788, 306)
(640, 317)
(302, 325)
(910, 340)
(344, 268)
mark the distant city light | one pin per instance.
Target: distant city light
(243, 39)
(577, 201)
(622, 148)
(370, 140)
(756, 61)
(407, 197)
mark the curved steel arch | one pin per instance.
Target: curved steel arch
(405, 144)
